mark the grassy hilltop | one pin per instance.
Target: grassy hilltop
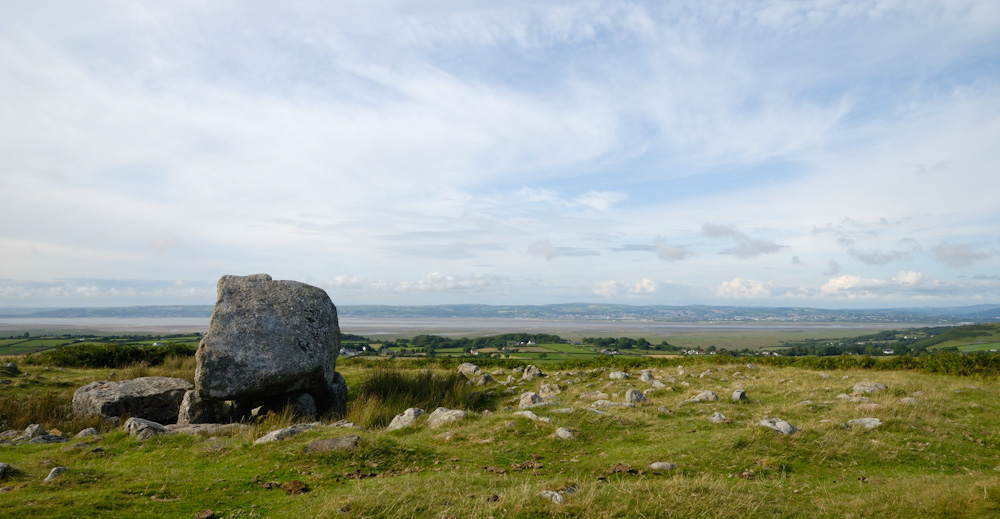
(936, 456)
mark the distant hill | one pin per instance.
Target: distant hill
(569, 311)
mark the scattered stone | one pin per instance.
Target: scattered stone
(658, 385)
(549, 391)
(867, 423)
(11, 368)
(205, 514)
(594, 395)
(564, 433)
(343, 443)
(48, 438)
(805, 403)
(34, 430)
(143, 429)
(468, 369)
(739, 395)
(704, 396)
(270, 341)
(870, 406)
(908, 400)
(532, 416)
(852, 398)
(530, 399)
(204, 429)
(618, 375)
(295, 487)
(54, 473)
(868, 387)
(662, 466)
(443, 415)
(484, 380)
(824, 375)
(608, 403)
(405, 419)
(633, 396)
(778, 425)
(531, 373)
(4, 469)
(552, 495)
(646, 376)
(706, 373)
(497, 372)
(664, 409)
(718, 417)
(563, 410)
(284, 434)
(597, 411)
(751, 366)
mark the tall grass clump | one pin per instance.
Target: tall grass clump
(389, 390)
(50, 409)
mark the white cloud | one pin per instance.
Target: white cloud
(600, 200)
(645, 286)
(957, 255)
(608, 288)
(667, 252)
(740, 288)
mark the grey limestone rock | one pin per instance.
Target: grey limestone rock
(4, 469)
(54, 473)
(343, 443)
(908, 400)
(658, 385)
(443, 415)
(285, 433)
(484, 380)
(548, 391)
(468, 369)
(204, 429)
(646, 375)
(618, 375)
(704, 396)
(89, 431)
(268, 338)
(778, 425)
(143, 429)
(194, 409)
(594, 395)
(34, 430)
(532, 416)
(564, 434)
(529, 399)
(407, 418)
(635, 397)
(718, 417)
(867, 423)
(868, 387)
(609, 403)
(531, 373)
(553, 496)
(662, 466)
(154, 398)
(739, 395)
(48, 438)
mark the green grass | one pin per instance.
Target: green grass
(937, 458)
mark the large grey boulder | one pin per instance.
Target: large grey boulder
(270, 342)
(152, 398)
(468, 369)
(531, 373)
(143, 429)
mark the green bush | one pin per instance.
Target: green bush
(108, 355)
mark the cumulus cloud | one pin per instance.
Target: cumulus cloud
(645, 286)
(746, 247)
(958, 254)
(904, 282)
(741, 288)
(667, 252)
(608, 288)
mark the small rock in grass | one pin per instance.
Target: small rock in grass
(4, 469)
(739, 395)
(405, 419)
(662, 466)
(34, 430)
(531, 373)
(54, 473)
(530, 399)
(658, 385)
(618, 375)
(47, 438)
(635, 397)
(718, 417)
(284, 434)
(343, 443)
(143, 429)
(646, 376)
(609, 403)
(908, 400)
(89, 431)
(443, 415)
(664, 409)
(867, 423)
(868, 387)
(552, 495)
(205, 514)
(594, 395)
(564, 433)
(778, 425)
(805, 403)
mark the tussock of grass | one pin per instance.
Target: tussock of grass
(388, 390)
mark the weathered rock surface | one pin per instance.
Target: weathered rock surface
(54, 473)
(718, 417)
(443, 415)
(704, 396)
(204, 429)
(646, 376)
(143, 429)
(594, 395)
(405, 419)
(153, 398)
(4, 469)
(868, 387)
(89, 431)
(739, 395)
(909, 400)
(634, 396)
(618, 375)
(284, 434)
(564, 434)
(532, 416)
(867, 423)
(484, 380)
(531, 373)
(662, 466)
(530, 399)
(468, 369)
(343, 443)
(270, 338)
(609, 403)
(778, 425)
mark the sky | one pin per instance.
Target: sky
(820, 153)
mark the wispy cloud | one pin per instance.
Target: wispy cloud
(746, 247)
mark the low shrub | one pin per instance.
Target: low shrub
(108, 355)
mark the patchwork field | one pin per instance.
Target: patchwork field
(934, 454)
